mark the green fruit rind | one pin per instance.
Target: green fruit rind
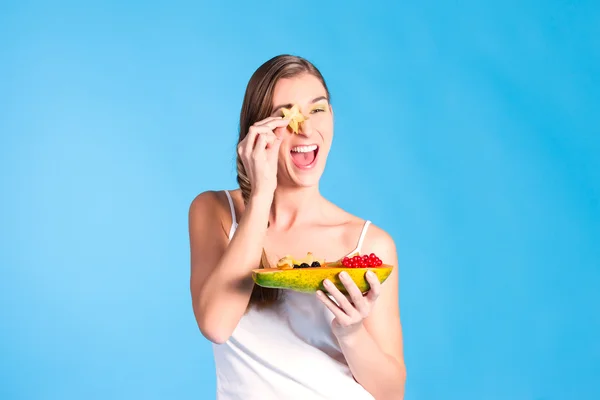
(309, 280)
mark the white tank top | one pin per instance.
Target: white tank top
(285, 352)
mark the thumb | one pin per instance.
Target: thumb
(277, 143)
(273, 151)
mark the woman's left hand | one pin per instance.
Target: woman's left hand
(352, 309)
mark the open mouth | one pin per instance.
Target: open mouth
(304, 157)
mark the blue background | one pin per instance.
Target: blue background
(469, 130)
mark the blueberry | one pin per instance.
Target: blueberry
(316, 264)
(304, 265)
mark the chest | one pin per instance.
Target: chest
(297, 320)
(325, 243)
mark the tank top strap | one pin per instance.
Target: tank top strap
(233, 217)
(361, 239)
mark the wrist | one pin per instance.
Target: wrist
(261, 200)
(258, 209)
(353, 337)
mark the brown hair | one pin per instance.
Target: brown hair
(258, 105)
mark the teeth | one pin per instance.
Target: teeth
(304, 149)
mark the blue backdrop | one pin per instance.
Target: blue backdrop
(468, 130)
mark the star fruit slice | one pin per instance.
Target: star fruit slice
(295, 116)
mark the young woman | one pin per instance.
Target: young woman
(274, 344)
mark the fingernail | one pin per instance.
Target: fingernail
(344, 275)
(371, 274)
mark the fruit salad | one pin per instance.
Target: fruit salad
(288, 262)
(351, 261)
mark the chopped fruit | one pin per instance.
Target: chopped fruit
(295, 117)
(358, 261)
(285, 263)
(288, 262)
(308, 259)
(350, 261)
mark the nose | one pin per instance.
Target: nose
(306, 128)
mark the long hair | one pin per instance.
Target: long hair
(258, 105)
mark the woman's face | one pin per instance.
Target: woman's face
(302, 156)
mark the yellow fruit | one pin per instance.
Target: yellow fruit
(288, 261)
(309, 280)
(285, 263)
(295, 116)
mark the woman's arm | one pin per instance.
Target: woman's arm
(372, 345)
(380, 373)
(221, 276)
(220, 281)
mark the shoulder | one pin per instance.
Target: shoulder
(379, 241)
(210, 207)
(376, 239)
(213, 199)
(377, 236)
(206, 202)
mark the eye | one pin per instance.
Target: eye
(317, 109)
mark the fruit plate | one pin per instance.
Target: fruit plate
(309, 280)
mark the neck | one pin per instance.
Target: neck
(294, 204)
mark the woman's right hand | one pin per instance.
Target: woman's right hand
(259, 152)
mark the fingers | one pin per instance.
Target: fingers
(358, 300)
(341, 316)
(375, 286)
(276, 144)
(254, 131)
(262, 135)
(339, 297)
(355, 306)
(265, 125)
(269, 137)
(261, 146)
(250, 142)
(275, 125)
(273, 122)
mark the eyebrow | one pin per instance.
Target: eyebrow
(316, 99)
